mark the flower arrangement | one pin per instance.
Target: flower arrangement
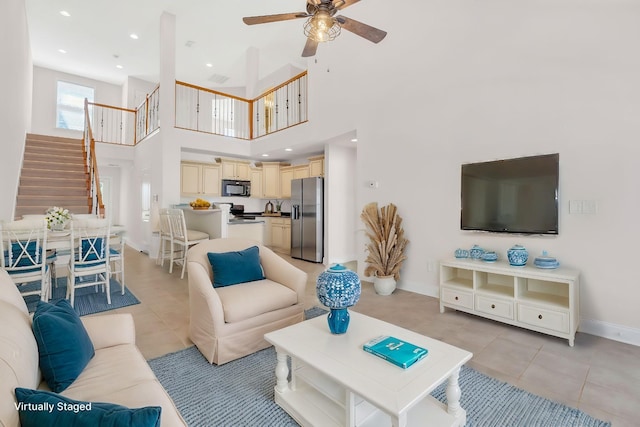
(386, 240)
(57, 216)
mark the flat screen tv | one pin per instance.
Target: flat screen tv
(511, 196)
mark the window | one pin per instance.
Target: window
(70, 107)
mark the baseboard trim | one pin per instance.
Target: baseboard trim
(611, 331)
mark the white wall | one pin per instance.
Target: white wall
(341, 210)
(45, 83)
(498, 80)
(15, 86)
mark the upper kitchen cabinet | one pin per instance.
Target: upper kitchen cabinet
(271, 179)
(286, 175)
(235, 169)
(316, 166)
(257, 189)
(301, 171)
(199, 179)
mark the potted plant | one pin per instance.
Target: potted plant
(386, 246)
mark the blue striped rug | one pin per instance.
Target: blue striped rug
(87, 300)
(240, 394)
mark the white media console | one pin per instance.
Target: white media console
(543, 300)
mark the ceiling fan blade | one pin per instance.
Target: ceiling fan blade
(310, 47)
(345, 3)
(253, 20)
(363, 30)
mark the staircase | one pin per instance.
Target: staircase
(53, 174)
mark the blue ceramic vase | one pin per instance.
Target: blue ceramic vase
(476, 252)
(338, 288)
(517, 256)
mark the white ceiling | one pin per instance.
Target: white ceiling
(96, 38)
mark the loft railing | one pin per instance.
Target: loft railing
(148, 115)
(209, 111)
(205, 110)
(281, 107)
(96, 205)
(113, 124)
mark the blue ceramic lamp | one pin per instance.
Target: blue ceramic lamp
(338, 288)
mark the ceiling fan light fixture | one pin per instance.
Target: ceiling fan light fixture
(322, 27)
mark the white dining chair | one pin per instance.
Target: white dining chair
(89, 261)
(116, 258)
(164, 250)
(182, 239)
(24, 249)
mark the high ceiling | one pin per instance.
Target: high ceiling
(96, 38)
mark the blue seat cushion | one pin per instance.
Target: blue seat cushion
(64, 347)
(17, 251)
(91, 246)
(39, 408)
(231, 268)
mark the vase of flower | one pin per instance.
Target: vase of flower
(57, 218)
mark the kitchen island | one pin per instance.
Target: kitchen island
(218, 223)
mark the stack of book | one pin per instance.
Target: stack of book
(396, 351)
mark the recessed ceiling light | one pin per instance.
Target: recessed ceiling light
(62, 51)
(133, 36)
(209, 65)
(354, 140)
(265, 155)
(65, 13)
(288, 149)
(120, 67)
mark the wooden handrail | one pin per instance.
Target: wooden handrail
(204, 89)
(304, 73)
(92, 165)
(111, 107)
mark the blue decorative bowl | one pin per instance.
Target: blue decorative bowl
(461, 253)
(517, 256)
(476, 252)
(490, 256)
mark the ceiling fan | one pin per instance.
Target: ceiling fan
(322, 25)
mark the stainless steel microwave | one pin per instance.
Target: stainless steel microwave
(232, 187)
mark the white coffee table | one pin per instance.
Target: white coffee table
(336, 383)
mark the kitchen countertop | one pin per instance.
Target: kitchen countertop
(264, 215)
(236, 221)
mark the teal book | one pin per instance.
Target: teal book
(396, 351)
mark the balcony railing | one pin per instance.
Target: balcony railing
(206, 110)
(210, 111)
(147, 115)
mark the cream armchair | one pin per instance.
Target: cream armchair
(229, 322)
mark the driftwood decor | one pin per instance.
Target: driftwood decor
(386, 240)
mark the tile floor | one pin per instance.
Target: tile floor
(599, 376)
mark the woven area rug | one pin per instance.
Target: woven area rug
(87, 300)
(240, 393)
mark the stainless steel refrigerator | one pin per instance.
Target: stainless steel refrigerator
(307, 222)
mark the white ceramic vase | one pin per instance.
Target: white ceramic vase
(384, 285)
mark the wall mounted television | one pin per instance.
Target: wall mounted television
(511, 196)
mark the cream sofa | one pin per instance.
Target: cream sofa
(230, 322)
(118, 373)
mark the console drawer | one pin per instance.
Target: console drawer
(456, 297)
(494, 306)
(543, 318)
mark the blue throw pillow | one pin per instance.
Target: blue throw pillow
(230, 268)
(64, 346)
(39, 408)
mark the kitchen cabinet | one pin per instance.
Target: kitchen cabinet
(256, 183)
(234, 169)
(316, 166)
(286, 175)
(199, 179)
(280, 234)
(271, 180)
(301, 172)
